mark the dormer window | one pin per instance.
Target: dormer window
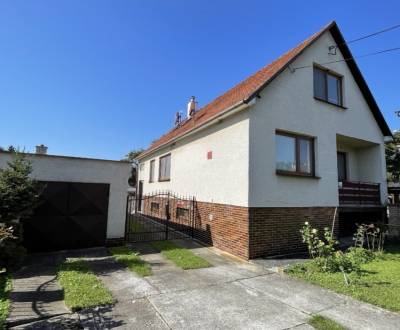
(328, 86)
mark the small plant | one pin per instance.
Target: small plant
(318, 248)
(370, 236)
(11, 252)
(310, 237)
(327, 259)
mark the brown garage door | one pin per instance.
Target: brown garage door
(72, 215)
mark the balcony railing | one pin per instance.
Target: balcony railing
(359, 193)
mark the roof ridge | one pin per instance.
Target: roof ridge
(242, 91)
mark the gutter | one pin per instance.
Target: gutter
(237, 107)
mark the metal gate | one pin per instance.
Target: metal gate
(159, 216)
(72, 215)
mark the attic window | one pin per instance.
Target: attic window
(328, 86)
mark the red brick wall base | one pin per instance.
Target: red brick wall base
(275, 231)
(223, 226)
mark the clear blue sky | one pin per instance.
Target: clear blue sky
(97, 78)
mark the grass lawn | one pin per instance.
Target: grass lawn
(5, 288)
(130, 258)
(379, 284)
(182, 257)
(322, 323)
(81, 287)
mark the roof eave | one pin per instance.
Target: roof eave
(340, 42)
(223, 114)
(351, 63)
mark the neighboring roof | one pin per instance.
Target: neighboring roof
(249, 88)
(68, 157)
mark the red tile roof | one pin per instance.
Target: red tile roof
(244, 91)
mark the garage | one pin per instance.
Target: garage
(83, 203)
(72, 215)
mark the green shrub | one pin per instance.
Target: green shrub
(11, 250)
(326, 259)
(318, 248)
(19, 195)
(360, 255)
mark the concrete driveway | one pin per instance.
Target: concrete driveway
(230, 295)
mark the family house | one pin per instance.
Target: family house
(301, 138)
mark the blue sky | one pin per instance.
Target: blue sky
(98, 78)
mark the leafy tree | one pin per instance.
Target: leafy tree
(132, 158)
(19, 195)
(393, 158)
(132, 155)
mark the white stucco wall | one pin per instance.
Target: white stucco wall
(288, 104)
(243, 171)
(222, 179)
(50, 168)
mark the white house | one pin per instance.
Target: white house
(301, 138)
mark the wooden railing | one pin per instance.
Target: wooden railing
(359, 193)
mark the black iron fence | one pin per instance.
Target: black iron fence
(159, 216)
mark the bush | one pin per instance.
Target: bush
(11, 251)
(360, 255)
(326, 259)
(318, 248)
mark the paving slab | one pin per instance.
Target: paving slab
(212, 255)
(130, 311)
(123, 284)
(225, 306)
(300, 295)
(135, 314)
(304, 326)
(277, 265)
(354, 314)
(36, 293)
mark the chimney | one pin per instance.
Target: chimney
(191, 107)
(41, 149)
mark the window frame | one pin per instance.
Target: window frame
(160, 179)
(328, 72)
(298, 138)
(344, 155)
(152, 170)
(184, 210)
(154, 207)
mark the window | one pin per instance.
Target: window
(182, 212)
(294, 154)
(327, 86)
(154, 207)
(165, 168)
(342, 168)
(152, 170)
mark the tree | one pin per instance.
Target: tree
(132, 155)
(19, 195)
(393, 158)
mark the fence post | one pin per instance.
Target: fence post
(193, 217)
(127, 211)
(167, 215)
